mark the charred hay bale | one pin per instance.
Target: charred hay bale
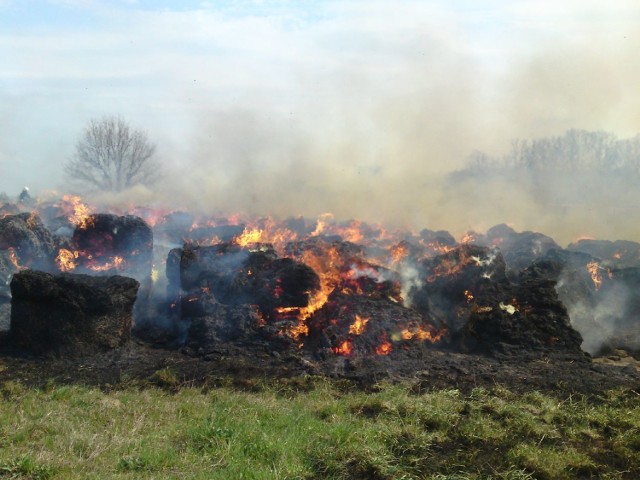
(618, 311)
(33, 244)
(519, 249)
(237, 275)
(350, 323)
(592, 294)
(448, 285)
(5, 315)
(467, 290)
(70, 314)
(522, 319)
(213, 325)
(618, 254)
(115, 244)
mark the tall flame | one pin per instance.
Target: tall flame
(81, 214)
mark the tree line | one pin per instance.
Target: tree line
(576, 150)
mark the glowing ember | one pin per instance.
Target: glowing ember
(418, 333)
(468, 295)
(384, 348)
(116, 263)
(13, 257)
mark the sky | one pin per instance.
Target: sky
(273, 106)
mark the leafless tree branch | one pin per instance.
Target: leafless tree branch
(111, 156)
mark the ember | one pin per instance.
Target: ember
(325, 287)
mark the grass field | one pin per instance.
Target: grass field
(314, 428)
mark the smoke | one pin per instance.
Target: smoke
(362, 109)
(375, 135)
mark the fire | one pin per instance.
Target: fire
(81, 214)
(384, 348)
(345, 348)
(468, 237)
(116, 262)
(321, 223)
(399, 253)
(66, 260)
(13, 257)
(248, 236)
(468, 295)
(418, 333)
(596, 275)
(357, 327)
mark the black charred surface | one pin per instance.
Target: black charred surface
(357, 325)
(7, 269)
(451, 283)
(468, 291)
(530, 318)
(105, 236)
(519, 249)
(213, 326)
(70, 314)
(237, 275)
(233, 293)
(33, 244)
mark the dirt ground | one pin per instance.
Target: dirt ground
(250, 366)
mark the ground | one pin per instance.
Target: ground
(428, 369)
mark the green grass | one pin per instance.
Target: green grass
(314, 429)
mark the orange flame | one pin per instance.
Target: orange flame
(419, 333)
(117, 263)
(81, 215)
(66, 260)
(13, 258)
(248, 236)
(357, 327)
(345, 348)
(596, 275)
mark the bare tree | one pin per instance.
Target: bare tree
(111, 156)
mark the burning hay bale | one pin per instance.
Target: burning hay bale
(533, 321)
(238, 275)
(33, 245)
(110, 244)
(359, 325)
(359, 309)
(468, 291)
(519, 249)
(450, 283)
(232, 292)
(602, 301)
(618, 254)
(70, 314)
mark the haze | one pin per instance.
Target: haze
(359, 108)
